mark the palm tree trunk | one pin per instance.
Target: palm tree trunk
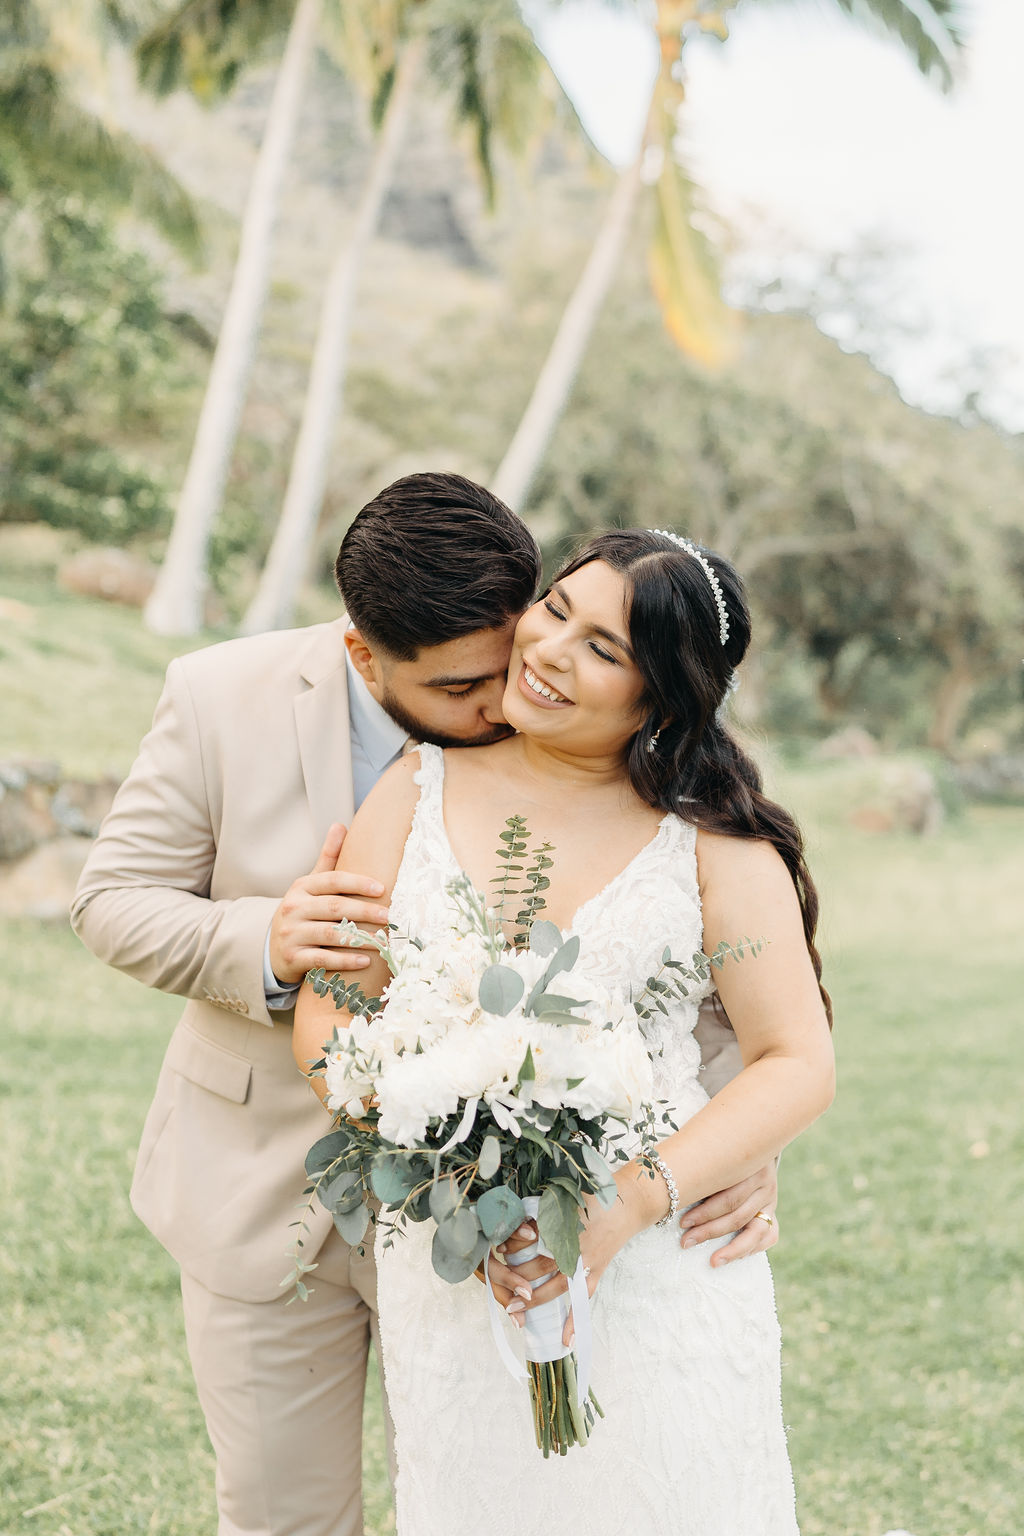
(175, 606)
(273, 605)
(514, 476)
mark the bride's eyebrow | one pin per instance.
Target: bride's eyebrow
(596, 629)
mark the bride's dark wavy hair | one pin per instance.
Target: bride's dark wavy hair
(697, 767)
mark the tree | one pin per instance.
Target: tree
(482, 56)
(86, 353)
(680, 268)
(198, 43)
(52, 141)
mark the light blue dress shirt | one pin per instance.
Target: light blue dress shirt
(377, 742)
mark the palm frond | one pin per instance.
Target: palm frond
(204, 44)
(684, 274)
(47, 140)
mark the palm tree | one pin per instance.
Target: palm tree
(481, 54)
(682, 273)
(200, 44)
(52, 139)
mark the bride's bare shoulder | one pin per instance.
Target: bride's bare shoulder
(723, 859)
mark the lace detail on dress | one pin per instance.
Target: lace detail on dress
(686, 1358)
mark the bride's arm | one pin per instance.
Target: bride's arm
(788, 1077)
(374, 846)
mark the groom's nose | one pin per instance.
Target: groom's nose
(490, 704)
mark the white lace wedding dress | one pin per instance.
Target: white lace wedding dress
(686, 1357)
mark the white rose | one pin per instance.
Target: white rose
(412, 1090)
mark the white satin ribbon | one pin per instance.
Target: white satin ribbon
(543, 1325)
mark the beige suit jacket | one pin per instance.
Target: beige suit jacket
(247, 764)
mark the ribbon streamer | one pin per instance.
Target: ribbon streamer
(543, 1325)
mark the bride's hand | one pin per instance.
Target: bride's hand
(604, 1233)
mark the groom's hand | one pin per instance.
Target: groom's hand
(302, 934)
(736, 1210)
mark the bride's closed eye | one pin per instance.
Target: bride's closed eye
(556, 613)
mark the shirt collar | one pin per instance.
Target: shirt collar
(372, 727)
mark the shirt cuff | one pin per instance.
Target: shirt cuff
(279, 997)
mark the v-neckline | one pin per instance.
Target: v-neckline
(609, 885)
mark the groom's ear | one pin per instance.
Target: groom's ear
(362, 657)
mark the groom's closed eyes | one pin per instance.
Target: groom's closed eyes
(458, 687)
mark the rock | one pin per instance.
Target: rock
(899, 797)
(42, 884)
(852, 741)
(26, 818)
(999, 778)
(17, 772)
(112, 574)
(80, 805)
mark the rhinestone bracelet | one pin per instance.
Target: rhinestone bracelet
(673, 1190)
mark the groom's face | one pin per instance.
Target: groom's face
(449, 694)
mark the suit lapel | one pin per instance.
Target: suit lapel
(322, 727)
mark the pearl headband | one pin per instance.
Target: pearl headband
(713, 581)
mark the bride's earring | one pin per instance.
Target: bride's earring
(652, 744)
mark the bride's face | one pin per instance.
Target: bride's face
(572, 680)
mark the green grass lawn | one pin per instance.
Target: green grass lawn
(899, 1272)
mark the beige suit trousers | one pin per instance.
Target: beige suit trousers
(281, 1387)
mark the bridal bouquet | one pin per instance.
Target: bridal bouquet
(488, 1085)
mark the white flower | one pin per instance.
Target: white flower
(619, 1079)
(413, 1090)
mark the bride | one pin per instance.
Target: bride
(662, 838)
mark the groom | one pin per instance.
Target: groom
(260, 750)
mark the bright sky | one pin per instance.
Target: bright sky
(810, 134)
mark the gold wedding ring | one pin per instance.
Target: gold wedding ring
(765, 1217)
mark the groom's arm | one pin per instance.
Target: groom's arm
(736, 1209)
(143, 903)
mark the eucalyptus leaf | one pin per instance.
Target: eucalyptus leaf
(352, 1224)
(596, 1163)
(391, 1179)
(445, 1196)
(563, 959)
(327, 1151)
(501, 989)
(489, 1160)
(558, 1222)
(343, 1193)
(455, 1267)
(556, 1002)
(545, 937)
(557, 1017)
(500, 1212)
(459, 1230)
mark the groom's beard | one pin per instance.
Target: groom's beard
(419, 730)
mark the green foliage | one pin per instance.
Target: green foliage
(51, 142)
(86, 351)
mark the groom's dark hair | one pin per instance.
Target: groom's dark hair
(433, 557)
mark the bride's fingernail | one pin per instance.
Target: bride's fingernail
(515, 1306)
(526, 1231)
(690, 1242)
(523, 1291)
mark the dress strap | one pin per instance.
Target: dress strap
(430, 774)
